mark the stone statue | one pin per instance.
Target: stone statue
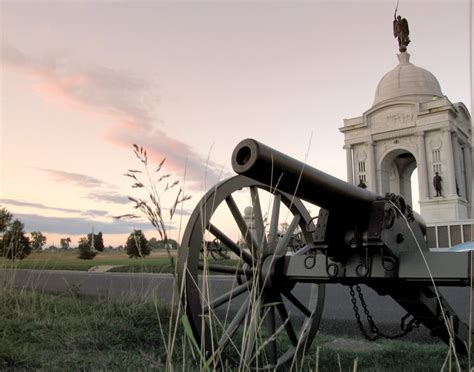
(362, 184)
(401, 31)
(437, 184)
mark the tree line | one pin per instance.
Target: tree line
(15, 244)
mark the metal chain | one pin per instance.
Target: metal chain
(405, 327)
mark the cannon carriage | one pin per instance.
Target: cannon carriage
(215, 249)
(271, 310)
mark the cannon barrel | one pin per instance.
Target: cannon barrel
(271, 167)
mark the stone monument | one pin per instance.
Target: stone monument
(412, 126)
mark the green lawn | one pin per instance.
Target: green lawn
(70, 332)
(157, 262)
(69, 261)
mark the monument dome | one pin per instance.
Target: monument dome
(248, 212)
(407, 81)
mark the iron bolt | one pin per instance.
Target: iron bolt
(400, 238)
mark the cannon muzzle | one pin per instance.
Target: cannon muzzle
(271, 167)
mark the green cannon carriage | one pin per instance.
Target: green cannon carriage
(271, 310)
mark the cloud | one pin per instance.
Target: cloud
(128, 99)
(76, 226)
(181, 159)
(95, 213)
(85, 181)
(89, 212)
(76, 178)
(108, 197)
(37, 205)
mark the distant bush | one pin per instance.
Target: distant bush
(155, 244)
(137, 245)
(38, 240)
(85, 250)
(14, 244)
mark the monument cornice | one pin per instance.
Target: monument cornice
(394, 134)
(385, 105)
(432, 117)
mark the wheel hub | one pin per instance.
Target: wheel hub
(270, 272)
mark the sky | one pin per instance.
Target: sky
(82, 81)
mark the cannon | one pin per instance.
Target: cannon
(269, 313)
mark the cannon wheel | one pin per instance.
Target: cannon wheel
(259, 320)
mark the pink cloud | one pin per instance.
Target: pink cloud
(78, 179)
(159, 146)
(128, 100)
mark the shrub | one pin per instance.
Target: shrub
(15, 244)
(137, 245)
(85, 251)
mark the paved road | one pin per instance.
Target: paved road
(338, 316)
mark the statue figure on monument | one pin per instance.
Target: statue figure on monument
(362, 184)
(437, 184)
(401, 31)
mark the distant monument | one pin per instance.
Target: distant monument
(249, 218)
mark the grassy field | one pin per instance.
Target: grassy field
(157, 262)
(70, 332)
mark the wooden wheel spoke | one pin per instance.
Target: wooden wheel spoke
(234, 325)
(252, 332)
(244, 230)
(287, 322)
(270, 323)
(295, 301)
(230, 244)
(226, 297)
(273, 233)
(259, 224)
(282, 245)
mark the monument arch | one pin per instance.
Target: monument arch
(394, 172)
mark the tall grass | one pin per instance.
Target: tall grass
(154, 184)
(72, 332)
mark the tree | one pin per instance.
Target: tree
(5, 220)
(85, 249)
(137, 245)
(65, 243)
(38, 240)
(98, 241)
(15, 244)
(165, 244)
(168, 244)
(153, 244)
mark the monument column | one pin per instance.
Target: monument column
(372, 186)
(459, 182)
(449, 180)
(350, 164)
(422, 168)
(468, 169)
